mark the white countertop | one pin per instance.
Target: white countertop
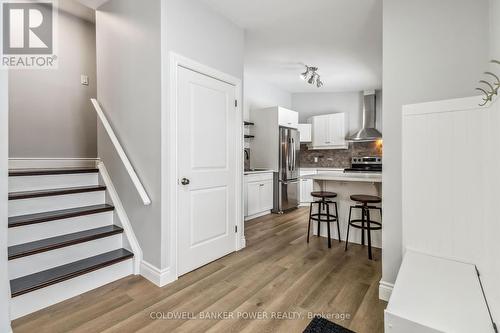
(346, 177)
(257, 172)
(321, 169)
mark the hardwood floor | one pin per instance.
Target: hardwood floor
(278, 279)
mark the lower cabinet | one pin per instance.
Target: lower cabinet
(306, 187)
(258, 194)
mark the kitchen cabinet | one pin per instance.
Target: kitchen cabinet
(288, 118)
(329, 131)
(306, 187)
(305, 132)
(258, 194)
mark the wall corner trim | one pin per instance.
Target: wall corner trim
(160, 277)
(385, 290)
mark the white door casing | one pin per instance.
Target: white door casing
(207, 161)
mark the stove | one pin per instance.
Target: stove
(369, 164)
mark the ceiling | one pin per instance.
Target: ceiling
(341, 37)
(75, 8)
(94, 4)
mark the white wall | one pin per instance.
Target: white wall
(259, 95)
(194, 30)
(50, 111)
(433, 50)
(4, 142)
(313, 104)
(129, 90)
(351, 103)
(495, 32)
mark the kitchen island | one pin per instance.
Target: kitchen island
(345, 185)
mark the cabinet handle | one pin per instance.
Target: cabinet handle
(261, 185)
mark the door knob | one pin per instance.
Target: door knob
(185, 181)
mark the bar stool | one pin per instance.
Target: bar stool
(365, 203)
(324, 202)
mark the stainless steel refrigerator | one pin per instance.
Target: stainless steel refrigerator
(286, 181)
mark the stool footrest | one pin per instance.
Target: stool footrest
(358, 224)
(316, 217)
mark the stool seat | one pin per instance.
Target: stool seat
(323, 194)
(363, 198)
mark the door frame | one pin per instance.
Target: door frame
(177, 61)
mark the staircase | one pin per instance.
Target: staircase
(63, 239)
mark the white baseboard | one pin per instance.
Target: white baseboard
(243, 242)
(160, 277)
(251, 217)
(30, 163)
(385, 290)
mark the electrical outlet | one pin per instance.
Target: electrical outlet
(84, 79)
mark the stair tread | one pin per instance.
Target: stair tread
(42, 172)
(21, 220)
(62, 273)
(47, 244)
(54, 192)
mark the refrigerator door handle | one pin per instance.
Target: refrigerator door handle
(294, 154)
(289, 155)
(287, 182)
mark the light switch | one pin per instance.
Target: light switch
(84, 80)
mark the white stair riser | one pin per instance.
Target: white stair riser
(50, 259)
(34, 232)
(33, 183)
(52, 203)
(36, 300)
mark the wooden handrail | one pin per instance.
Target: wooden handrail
(123, 156)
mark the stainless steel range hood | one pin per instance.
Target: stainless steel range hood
(368, 131)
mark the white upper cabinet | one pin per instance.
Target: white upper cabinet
(329, 131)
(305, 132)
(288, 118)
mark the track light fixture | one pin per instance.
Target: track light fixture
(311, 76)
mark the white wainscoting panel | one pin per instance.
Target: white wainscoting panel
(451, 185)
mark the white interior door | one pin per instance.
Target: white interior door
(207, 162)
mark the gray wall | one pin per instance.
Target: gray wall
(433, 50)
(50, 111)
(4, 143)
(129, 90)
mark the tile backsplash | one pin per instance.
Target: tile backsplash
(337, 158)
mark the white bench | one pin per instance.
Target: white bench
(433, 294)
